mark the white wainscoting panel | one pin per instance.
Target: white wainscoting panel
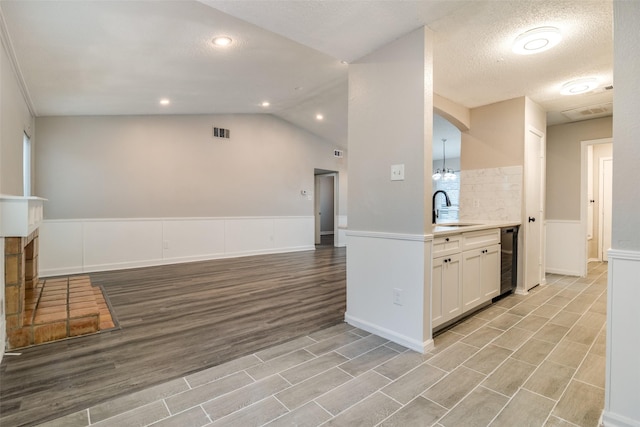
(378, 264)
(293, 232)
(119, 244)
(246, 235)
(78, 246)
(565, 248)
(192, 240)
(60, 248)
(342, 230)
(623, 340)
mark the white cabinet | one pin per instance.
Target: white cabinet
(446, 299)
(480, 276)
(465, 273)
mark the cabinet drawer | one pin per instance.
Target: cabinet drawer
(446, 245)
(479, 239)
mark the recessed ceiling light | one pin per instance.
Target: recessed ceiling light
(579, 86)
(165, 101)
(265, 103)
(319, 117)
(536, 40)
(222, 41)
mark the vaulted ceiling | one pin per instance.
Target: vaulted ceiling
(122, 57)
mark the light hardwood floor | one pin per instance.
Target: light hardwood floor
(176, 320)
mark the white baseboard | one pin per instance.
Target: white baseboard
(614, 420)
(563, 272)
(421, 347)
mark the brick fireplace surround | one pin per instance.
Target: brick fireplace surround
(39, 311)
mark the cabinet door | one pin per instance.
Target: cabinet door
(451, 292)
(445, 289)
(471, 282)
(490, 277)
(436, 291)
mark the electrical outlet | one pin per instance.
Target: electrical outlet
(397, 296)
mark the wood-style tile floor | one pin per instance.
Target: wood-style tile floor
(534, 360)
(175, 320)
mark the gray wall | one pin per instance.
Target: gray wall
(391, 122)
(496, 136)
(171, 166)
(563, 164)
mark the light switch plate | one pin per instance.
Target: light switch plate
(397, 172)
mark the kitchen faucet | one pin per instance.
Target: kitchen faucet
(435, 211)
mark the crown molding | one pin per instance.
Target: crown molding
(8, 47)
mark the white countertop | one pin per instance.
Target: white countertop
(455, 227)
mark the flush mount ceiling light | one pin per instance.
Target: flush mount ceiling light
(579, 86)
(222, 41)
(536, 40)
(319, 117)
(265, 104)
(165, 101)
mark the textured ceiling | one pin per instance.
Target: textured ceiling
(117, 57)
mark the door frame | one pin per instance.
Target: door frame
(316, 203)
(583, 198)
(601, 207)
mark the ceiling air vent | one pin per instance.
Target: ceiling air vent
(590, 112)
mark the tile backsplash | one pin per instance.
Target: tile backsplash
(491, 194)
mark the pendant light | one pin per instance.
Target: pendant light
(445, 174)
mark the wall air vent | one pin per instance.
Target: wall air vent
(590, 112)
(338, 153)
(221, 133)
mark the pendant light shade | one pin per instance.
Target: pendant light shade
(445, 174)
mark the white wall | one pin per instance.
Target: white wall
(622, 390)
(388, 220)
(564, 247)
(79, 246)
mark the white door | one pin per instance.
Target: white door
(533, 220)
(606, 185)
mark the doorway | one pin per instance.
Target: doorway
(595, 199)
(325, 207)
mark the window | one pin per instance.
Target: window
(26, 165)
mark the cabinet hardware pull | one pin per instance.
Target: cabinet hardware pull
(446, 240)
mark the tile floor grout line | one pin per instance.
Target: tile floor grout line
(572, 378)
